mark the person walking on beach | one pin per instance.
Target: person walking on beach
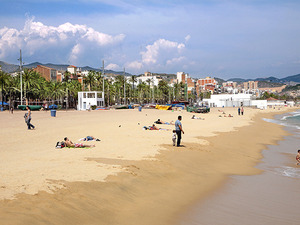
(28, 118)
(298, 157)
(178, 128)
(242, 111)
(239, 111)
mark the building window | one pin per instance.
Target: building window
(91, 95)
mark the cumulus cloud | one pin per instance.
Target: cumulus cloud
(160, 55)
(112, 66)
(135, 65)
(69, 42)
(161, 49)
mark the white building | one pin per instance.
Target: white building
(86, 99)
(182, 76)
(229, 100)
(154, 80)
(235, 100)
(71, 69)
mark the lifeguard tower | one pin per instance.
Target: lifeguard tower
(86, 99)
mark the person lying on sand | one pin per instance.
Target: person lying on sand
(162, 122)
(153, 127)
(298, 157)
(69, 144)
(197, 118)
(89, 138)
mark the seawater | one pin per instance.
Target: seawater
(291, 122)
(270, 198)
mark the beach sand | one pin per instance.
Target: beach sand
(132, 176)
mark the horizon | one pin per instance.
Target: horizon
(223, 39)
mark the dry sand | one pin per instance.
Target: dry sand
(155, 181)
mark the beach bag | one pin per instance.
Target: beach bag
(60, 144)
(25, 117)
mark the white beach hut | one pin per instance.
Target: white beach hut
(86, 99)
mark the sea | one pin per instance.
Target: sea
(272, 197)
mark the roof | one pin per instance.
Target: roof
(272, 99)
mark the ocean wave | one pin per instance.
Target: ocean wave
(288, 171)
(291, 115)
(280, 122)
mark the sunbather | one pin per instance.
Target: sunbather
(197, 118)
(69, 144)
(153, 127)
(89, 138)
(162, 122)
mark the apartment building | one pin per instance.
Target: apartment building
(251, 85)
(48, 73)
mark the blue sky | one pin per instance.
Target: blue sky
(220, 38)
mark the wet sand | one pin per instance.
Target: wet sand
(270, 198)
(143, 187)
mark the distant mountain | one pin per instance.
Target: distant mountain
(238, 80)
(8, 68)
(219, 80)
(289, 79)
(269, 79)
(11, 68)
(294, 78)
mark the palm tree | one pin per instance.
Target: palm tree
(67, 76)
(99, 80)
(4, 80)
(133, 79)
(30, 78)
(90, 79)
(142, 88)
(164, 90)
(55, 90)
(74, 87)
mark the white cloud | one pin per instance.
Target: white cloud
(112, 66)
(160, 49)
(67, 41)
(135, 65)
(175, 61)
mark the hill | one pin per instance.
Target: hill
(294, 78)
(11, 68)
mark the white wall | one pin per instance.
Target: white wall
(89, 98)
(154, 80)
(261, 104)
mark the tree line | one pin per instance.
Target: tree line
(118, 90)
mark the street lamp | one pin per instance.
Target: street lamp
(20, 59)
(2, 91)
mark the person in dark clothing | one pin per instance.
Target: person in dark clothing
(178, 128)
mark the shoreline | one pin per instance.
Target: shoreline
(146, 189)
(266, 198)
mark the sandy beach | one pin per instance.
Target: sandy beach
(132, 175)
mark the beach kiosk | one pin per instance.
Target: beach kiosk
(86, 99)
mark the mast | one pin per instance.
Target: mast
(124, 87)
(103, 81)
(21, 63)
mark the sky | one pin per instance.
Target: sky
(218, 38)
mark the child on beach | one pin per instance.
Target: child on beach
(298, 157)
(174, 137)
